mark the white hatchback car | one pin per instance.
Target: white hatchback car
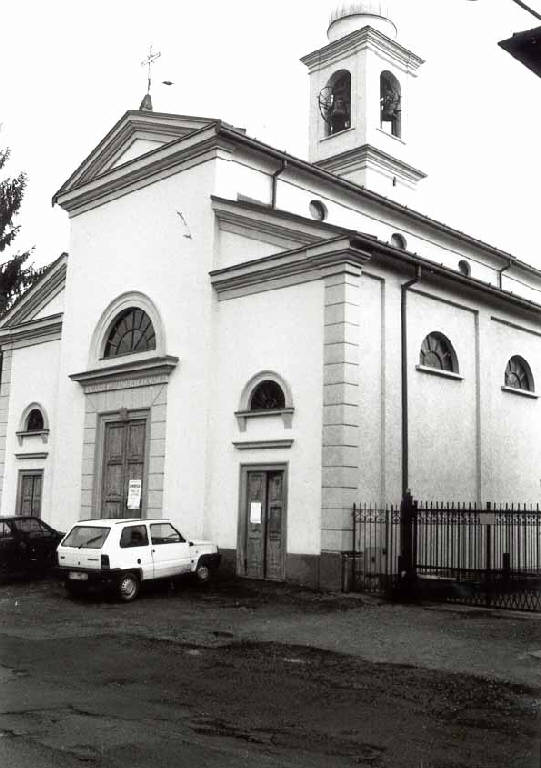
(121, 554)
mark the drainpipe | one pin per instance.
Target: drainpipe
(275, 182)
(500, 273)
(404, 350)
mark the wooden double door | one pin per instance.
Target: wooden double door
(262, 529)
(123, 473)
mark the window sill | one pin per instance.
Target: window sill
(390, 135)
(338, 133)
(438, 372)
(521, 392)
(285, 413)
(43, 433)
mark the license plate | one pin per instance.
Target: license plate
(76, 576)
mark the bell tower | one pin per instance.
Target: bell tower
(361, 99)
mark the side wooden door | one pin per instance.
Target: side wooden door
(29, 493)
(123, 460)
(262, 525)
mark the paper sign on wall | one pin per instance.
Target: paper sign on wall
(134, 494)
(255, 512)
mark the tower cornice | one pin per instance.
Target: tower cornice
(365, 38)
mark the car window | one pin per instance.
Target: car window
(86, 537)
(32, 527)
(164, 533)
(134, 536)
(5, 531)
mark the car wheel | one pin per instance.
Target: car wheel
(128, 587)
(202, 573)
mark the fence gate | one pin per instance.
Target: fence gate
(453, 552)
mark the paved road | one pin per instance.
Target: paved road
(262, 676)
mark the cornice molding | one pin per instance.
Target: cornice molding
(366, 155)
(44, 329)
(260, 229)
(127, 375)
(362, 39)
(301, 265)
(169, 159)
(38, 296)
(254, 445)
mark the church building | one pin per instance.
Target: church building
(249, 343)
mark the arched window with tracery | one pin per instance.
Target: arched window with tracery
(390, 104)
(437, 352)
(335, 103)
(131, 332)
(518, 374)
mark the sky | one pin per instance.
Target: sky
(69, 69)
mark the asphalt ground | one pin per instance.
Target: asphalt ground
(247, 673)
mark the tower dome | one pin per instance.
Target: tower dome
(348, 17)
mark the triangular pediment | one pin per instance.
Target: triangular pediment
(42, 300)
(137, 133)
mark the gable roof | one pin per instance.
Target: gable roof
(147, 128)
(50, 283)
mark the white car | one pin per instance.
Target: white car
(121, 554)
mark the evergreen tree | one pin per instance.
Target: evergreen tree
(14, 277)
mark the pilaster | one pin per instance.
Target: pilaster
(341, 420)
(5, 389)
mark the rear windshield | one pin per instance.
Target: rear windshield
(86, 537)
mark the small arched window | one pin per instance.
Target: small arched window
(267, 396)
(131, 332)
(437, 352)
(390, 104)
(34, 421)
(335, 102)
(518, 374)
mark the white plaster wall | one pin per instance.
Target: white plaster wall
(34, 378)
(513, 441)
(279, 330)
(138, 242)
(234, 249)
(442, 412)
(54, 307)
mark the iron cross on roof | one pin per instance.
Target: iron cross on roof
(148, 62)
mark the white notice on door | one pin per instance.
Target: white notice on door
(134, 494)
(255, 512)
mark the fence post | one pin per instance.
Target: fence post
(488, 561)
(408, 519)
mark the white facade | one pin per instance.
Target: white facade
(214, 236)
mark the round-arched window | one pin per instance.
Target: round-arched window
(267, 396)
(132, 331)
(518, 374)
(437, 352)
(34, 422)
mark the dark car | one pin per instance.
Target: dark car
(27, 546)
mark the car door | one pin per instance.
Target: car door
(136, 551)
(171, 553)
(8, 550)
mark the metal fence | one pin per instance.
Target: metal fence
(448, 551)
